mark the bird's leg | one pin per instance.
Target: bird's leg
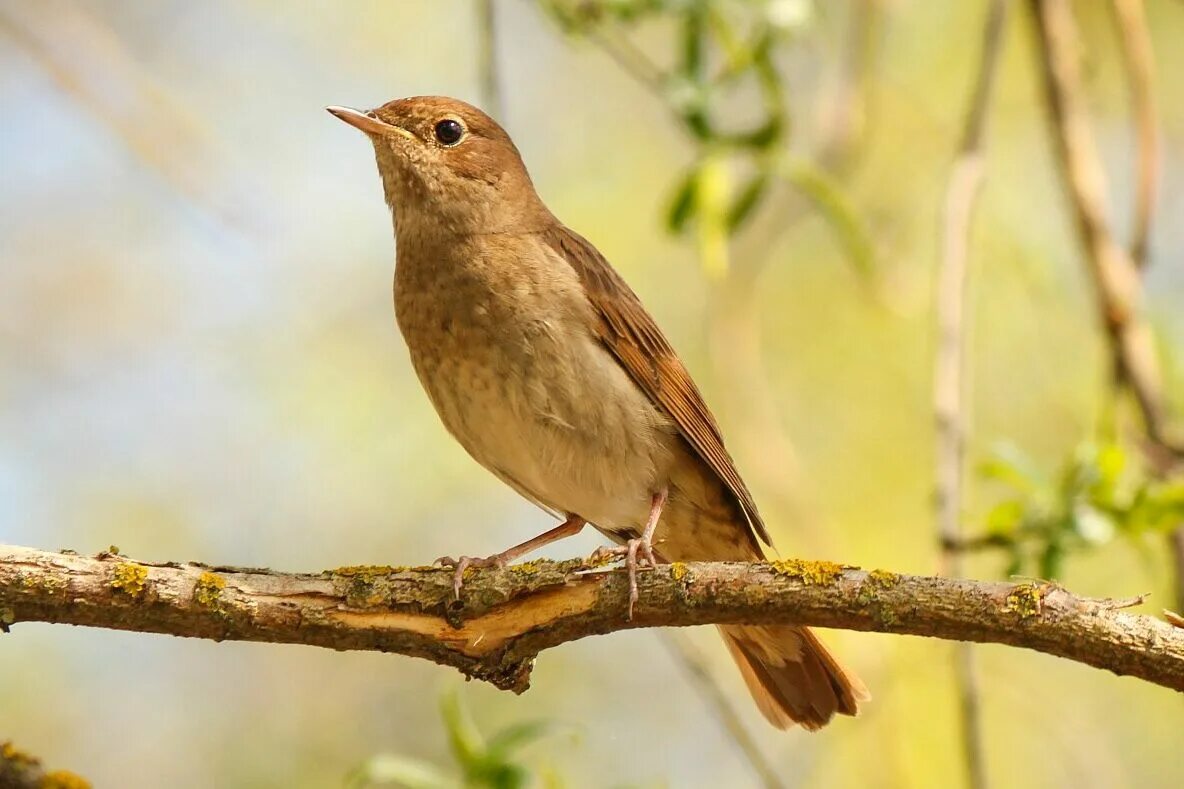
(569, 527)
(643, 545)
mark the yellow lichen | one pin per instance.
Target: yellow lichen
(130, 578)
(63, 779)
(678, 571)
(45, 583)
(808, 572)
(367, 572)
(529, 568)
(16, 757)
(207, 591)
(1026, 600)
(601, 558)
(883, 579)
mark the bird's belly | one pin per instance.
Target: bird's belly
(555, 417)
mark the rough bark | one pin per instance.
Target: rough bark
(506, 617)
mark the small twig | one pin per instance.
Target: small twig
(1135, 37)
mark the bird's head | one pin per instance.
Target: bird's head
(448, 167)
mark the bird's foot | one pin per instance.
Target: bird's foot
(465, 562)
(637, 551)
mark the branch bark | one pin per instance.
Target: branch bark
(506, 617)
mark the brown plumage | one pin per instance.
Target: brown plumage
(545, 366)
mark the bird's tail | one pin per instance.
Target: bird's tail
(792, 676)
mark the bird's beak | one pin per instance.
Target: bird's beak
(368, 122)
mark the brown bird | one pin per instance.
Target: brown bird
(548, 370)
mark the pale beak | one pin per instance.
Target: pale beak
(366, 121)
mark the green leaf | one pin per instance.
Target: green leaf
(749, 197)
(683, 206)
(468, 746)
(828, 197)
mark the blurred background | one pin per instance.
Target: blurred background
(198, 361)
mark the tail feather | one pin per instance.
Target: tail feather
(791, 675)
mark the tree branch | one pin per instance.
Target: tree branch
(949, 400)
(508, 616)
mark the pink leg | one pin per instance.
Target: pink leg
(573, 525)
(643, 545)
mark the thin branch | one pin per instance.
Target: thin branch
(93, 68)
(1116, 277)
(1140, 74)
(949, 387)
(949, 408)
(508, 616)
(1116, 274)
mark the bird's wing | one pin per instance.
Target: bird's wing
(628, 331)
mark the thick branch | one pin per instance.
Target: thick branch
(508, 616)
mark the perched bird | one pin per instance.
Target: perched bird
(548, 370)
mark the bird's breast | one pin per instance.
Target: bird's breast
(500, 336)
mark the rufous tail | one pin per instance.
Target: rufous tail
(791, 675)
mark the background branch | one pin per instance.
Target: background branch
(1115, 272)
(966, 177)
(1139, 61)
(508, 616)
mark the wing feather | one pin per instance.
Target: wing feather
(632, 336)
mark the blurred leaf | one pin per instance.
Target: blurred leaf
(742, 207)
(1093, 525)
(711, 199)
(682, 207)
(1008, 464)
(826, 195)
(402, 771)
(468, 746)
(519, 735)
(1005, 518)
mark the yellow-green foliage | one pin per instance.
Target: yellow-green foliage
(809, 573)
(208, 589)
(130, 578)
(678, 571)
(1026, 600)
(63, 779)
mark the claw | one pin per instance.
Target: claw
(637, 552)
(464, 563)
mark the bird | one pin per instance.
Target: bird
(547, 369)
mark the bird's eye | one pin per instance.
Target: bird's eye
(449, 131)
